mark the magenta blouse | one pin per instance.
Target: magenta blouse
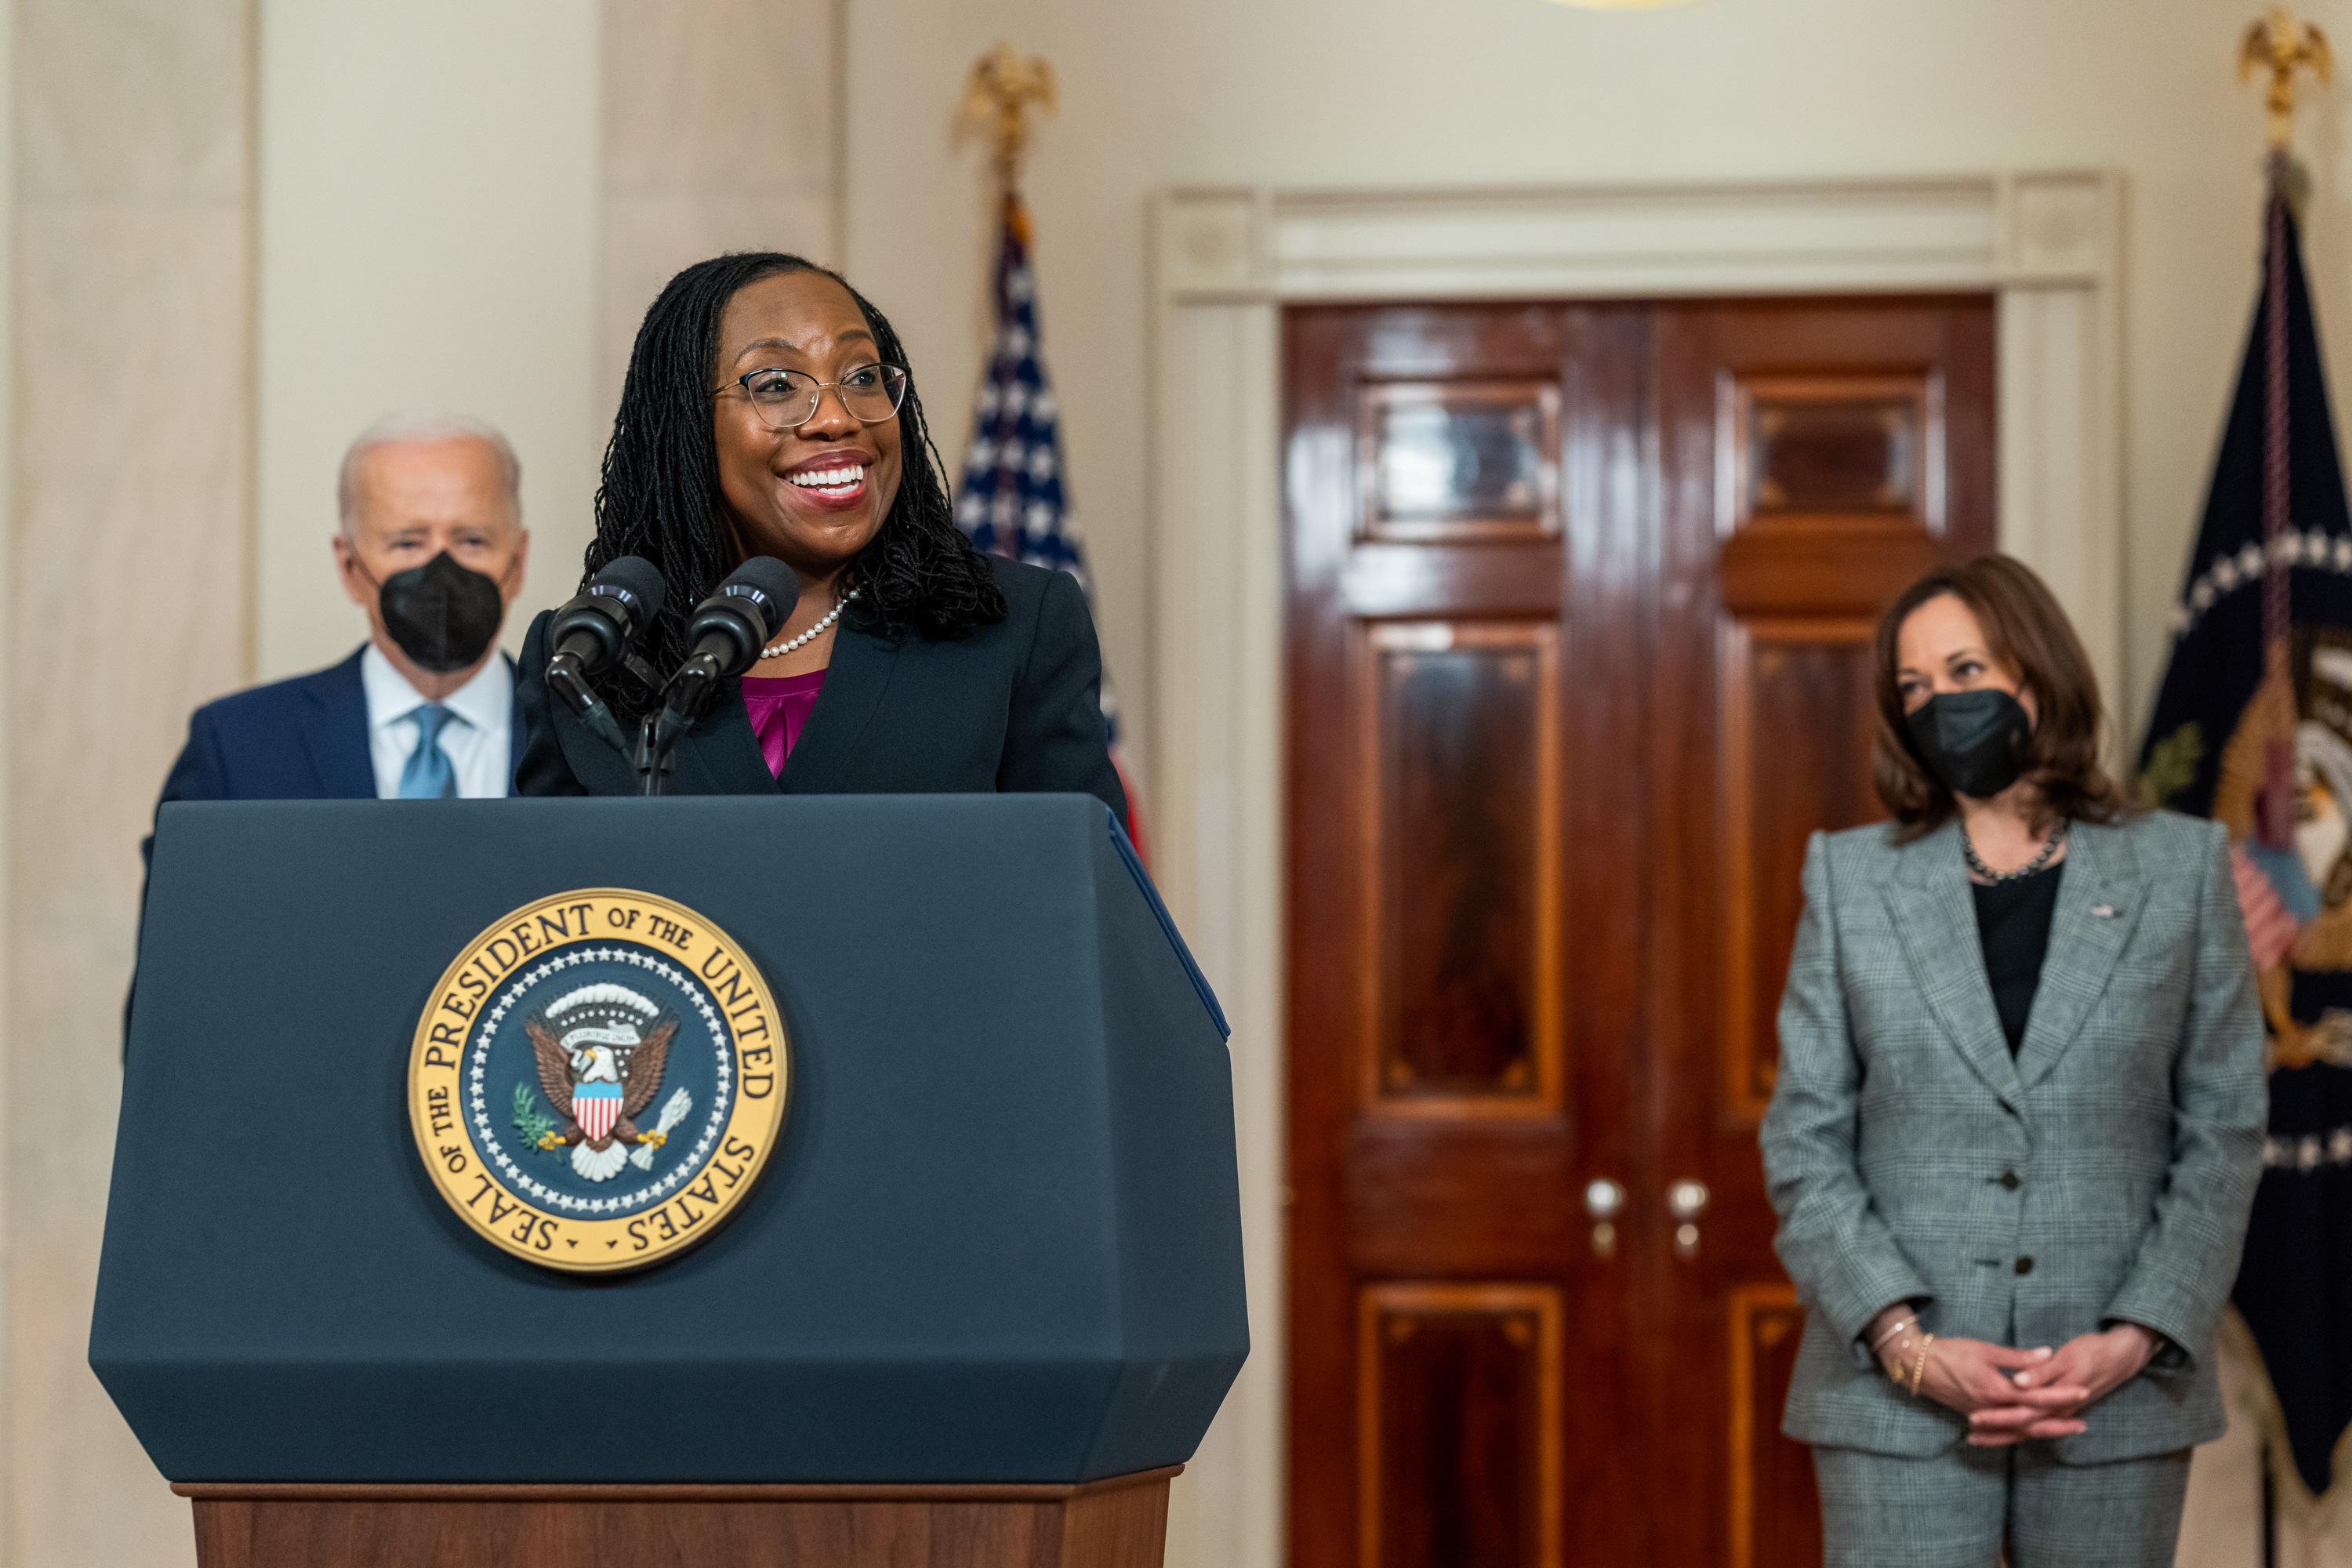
(778, 708)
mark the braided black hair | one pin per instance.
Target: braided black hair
(659, 496)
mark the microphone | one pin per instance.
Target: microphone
(593, 629)
(727, 632)
(618, 603)
(746, 611)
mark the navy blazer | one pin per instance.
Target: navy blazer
(1014, 707)
(303, 739)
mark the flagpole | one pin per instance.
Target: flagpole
(997, 98)
(999, 93)
(2274, 815)
(2281, 45)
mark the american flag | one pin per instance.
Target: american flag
(2271, 927)
(1012, 502)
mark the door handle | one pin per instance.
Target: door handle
(1685, 1201)
(1604, 1200)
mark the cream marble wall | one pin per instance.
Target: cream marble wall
(429, 192)
(288, 215)
(131, 258)
(721, 132)
(470, 206)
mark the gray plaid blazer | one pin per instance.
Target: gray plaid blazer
(2104, 1174)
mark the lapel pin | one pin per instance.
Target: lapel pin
(2104, 911)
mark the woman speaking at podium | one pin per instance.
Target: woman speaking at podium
(768, 410)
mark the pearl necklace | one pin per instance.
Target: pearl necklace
(813, 632)
(1985, 872)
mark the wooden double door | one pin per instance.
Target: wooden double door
(1580, 601)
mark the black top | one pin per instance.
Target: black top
(2014, 925)
(1014, 707)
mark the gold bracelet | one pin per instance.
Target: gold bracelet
(1910, 1322)
(1919, 1371)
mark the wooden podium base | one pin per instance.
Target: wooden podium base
(1121, 1522)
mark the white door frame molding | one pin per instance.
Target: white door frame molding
(1225, 261)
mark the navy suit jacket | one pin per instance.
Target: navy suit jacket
(304, 738)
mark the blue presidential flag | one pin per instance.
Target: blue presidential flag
(2253, 726)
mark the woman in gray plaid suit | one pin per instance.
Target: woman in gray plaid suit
(2019, 1116)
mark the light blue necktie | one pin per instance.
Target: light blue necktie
(429, 775)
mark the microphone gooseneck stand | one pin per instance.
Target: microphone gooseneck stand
(651, 759)
(650, 756)
(726, 632)
(567, 681)
(684, 699)
(594, 630)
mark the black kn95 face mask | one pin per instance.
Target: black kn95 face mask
(1970, 740)
(444, 616)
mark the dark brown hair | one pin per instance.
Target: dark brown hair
(2028, 634)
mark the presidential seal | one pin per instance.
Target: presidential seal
(598, 1081)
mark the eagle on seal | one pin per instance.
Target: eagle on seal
(600, 1051)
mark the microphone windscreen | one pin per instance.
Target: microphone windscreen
(638, 578)
(777, 585)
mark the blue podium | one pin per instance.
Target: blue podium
(992, 1262)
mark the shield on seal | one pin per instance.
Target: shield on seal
(596, 1106)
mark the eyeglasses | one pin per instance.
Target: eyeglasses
(787, 399)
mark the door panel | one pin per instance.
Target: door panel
(1461, 977)
(1580, 602)
(1780, 677)
(1459, 1413)
(1460, 733)
(1843, 448)
(1441, 462)
(1775, 1511)
(1859, 435)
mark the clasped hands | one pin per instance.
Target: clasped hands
(2009, 1395)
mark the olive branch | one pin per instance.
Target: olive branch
(2171, 766)
(530, 1121)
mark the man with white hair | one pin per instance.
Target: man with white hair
(432, 546)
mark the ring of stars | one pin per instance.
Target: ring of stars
(2310, 1152)
(478, 1066)
(2312, 550)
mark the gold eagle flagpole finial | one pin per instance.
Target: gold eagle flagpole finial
(997, 98)
(2281, 44)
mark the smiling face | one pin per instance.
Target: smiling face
(1940, 648)
(811, 497)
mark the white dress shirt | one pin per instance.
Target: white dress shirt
(479, 737)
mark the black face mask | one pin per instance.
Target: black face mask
(1970, 740)
(442, 614)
